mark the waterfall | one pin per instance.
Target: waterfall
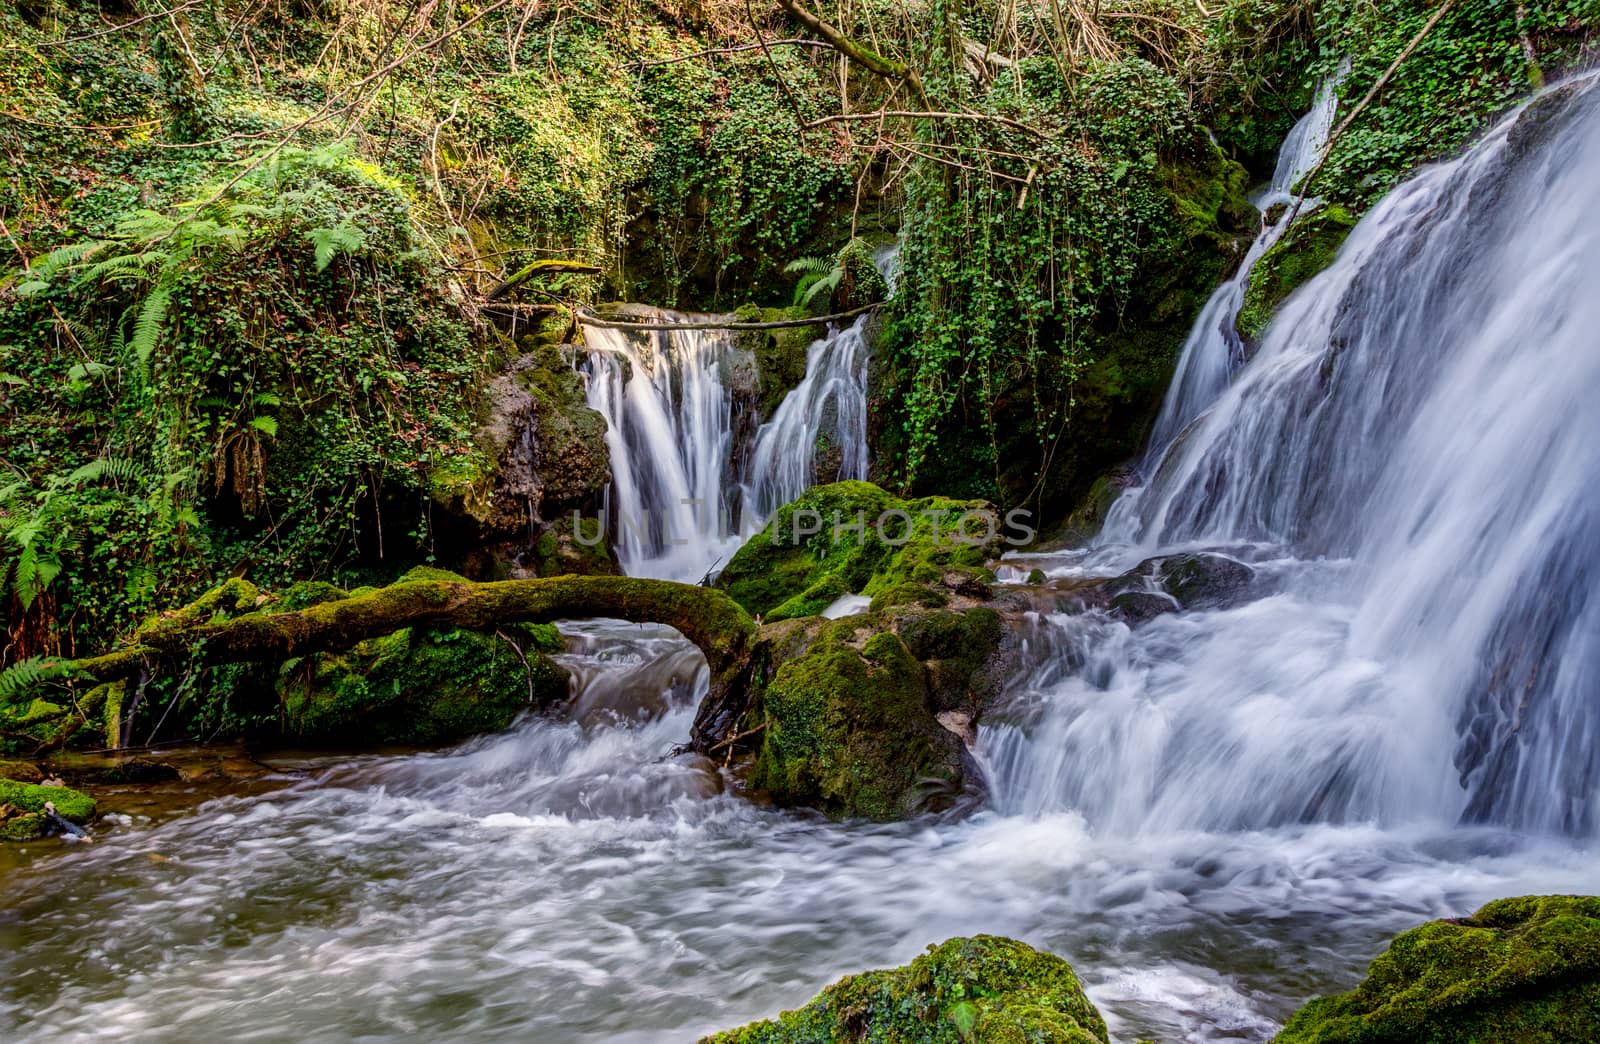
(826, 410)
(1213, 351)
(669, 430)
(680, 475)
(1411, 461)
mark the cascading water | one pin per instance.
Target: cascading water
(1213, 816)
(1420, 412)
(679, 482)
(828, 409)
(669, 430)
(1214, 351)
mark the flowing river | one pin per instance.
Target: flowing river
(1213, 816)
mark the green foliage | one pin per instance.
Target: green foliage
(1007, 280)
(985, 988)
(1469, 69)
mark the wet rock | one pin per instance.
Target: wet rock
(1137, 607)
(1196, 581)
(1524, 970)
(1204, 581)
(846, 727)
(984, 988)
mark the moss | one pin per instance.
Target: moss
(1525, 970)
(848, 728)
(23, 827)
(71, 805)
(784, 571)
(984, 988)
(1308, 247)
(308, 593)
(559, 552)
(421, 687)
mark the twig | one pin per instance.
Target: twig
(977, 117)
(587, 317)
(759, 45)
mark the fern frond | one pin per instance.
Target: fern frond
(147, 327)
(107, 467)
(819, 265)
(26, 674)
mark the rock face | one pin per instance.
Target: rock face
(542, 457)
(985, 988)
(1521, 970)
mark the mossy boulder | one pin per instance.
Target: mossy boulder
(1523, 970)
(421, 686)
(855, 538)
(984, 988)
(1307, 247)
(22, 808)
(849, 722)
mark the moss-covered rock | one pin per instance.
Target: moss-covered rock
(849, 727)
(1523, 970)
(421, 687)
(22, 808)
(852, 537)
(985, 988)
(780, 353)
(1307, 247)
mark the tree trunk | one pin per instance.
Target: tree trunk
(194, 637)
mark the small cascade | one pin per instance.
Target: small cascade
(669, 417)
(1214, 351)
(819, 432)
(676, 402)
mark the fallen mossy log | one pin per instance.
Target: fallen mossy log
(201, 634)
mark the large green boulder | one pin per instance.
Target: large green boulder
(830, 542)
(848, 727)
(1519, 971)
(986, 988)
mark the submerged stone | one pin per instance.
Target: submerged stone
(1519, 971)
(984, 988)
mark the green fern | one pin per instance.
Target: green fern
(330, 242)
(147, 327)
(28, 674)
(107, 467)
